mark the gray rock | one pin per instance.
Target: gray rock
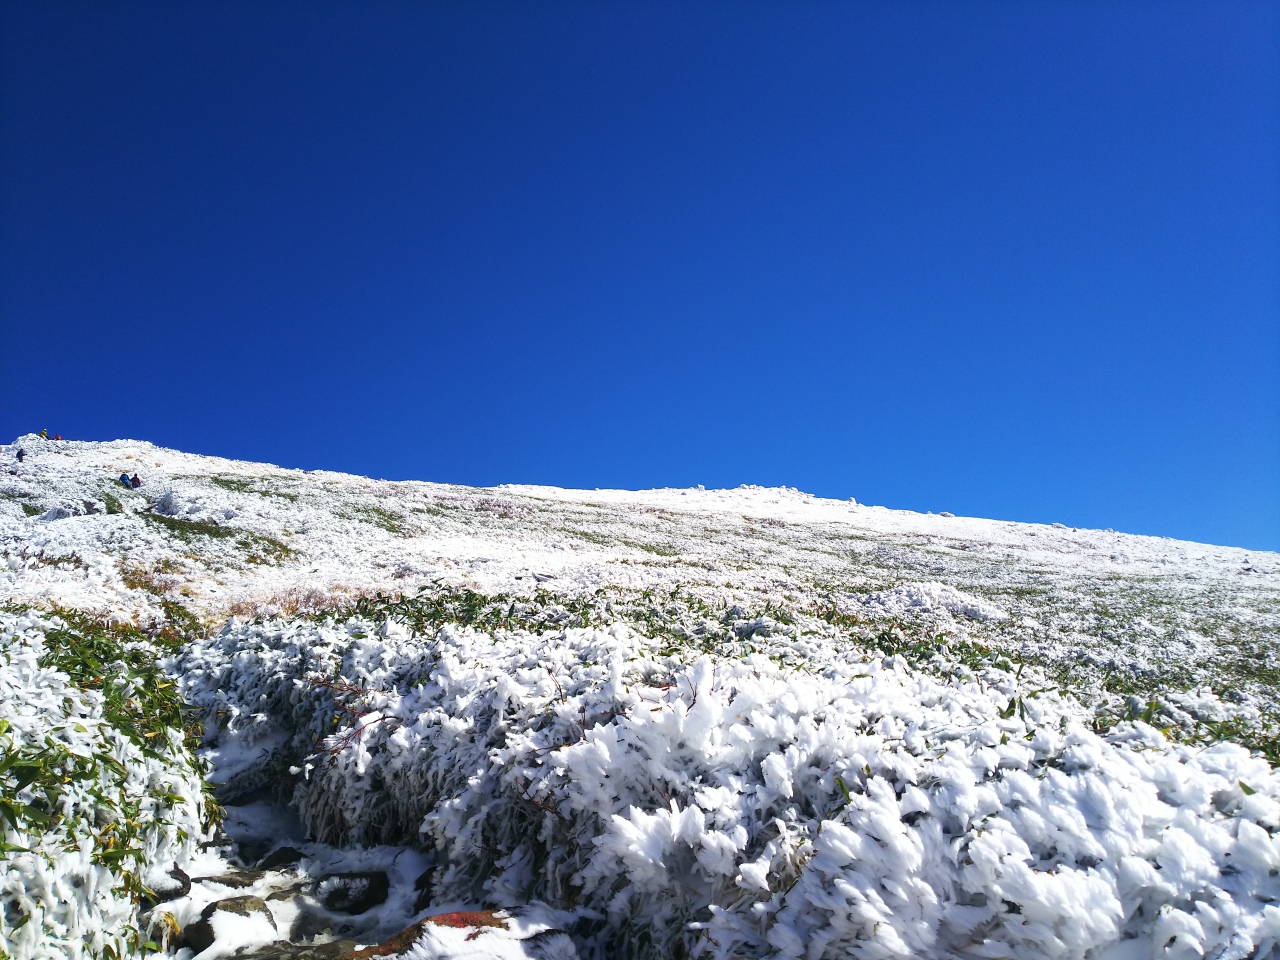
(310, 922)
(180, 887)
(550, 945)
(284, 950)
(425, 888)
(199, 935)
(353, 892)
(236, 878)
(288, 893)
(280, 857)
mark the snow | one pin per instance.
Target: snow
(234, 933)
(687, 733)
(499, 539)
(509, 939)
(931, 598)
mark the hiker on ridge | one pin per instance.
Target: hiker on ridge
(124, 478)
(134, 482)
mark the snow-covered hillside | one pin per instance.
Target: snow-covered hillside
(738, 723)
(223, 537)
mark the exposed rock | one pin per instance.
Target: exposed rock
(200, 936)
(284, 950)
(353, 892)
(235, 878)
(425, 887)
(395, 946)
(280, 857)
(550, 945)
(311, 922)
(179, 888)
(469, 918)
(288, 893)
(249, 850)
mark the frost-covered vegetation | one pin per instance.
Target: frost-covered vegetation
(1193, 626)
(98, 785)
(744, 723)
(740, 787)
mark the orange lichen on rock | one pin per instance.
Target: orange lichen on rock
(406, 938)
(476, 918)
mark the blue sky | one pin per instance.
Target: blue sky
(1017, 260)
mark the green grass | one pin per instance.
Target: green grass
(258, 548)
(24, 501)
(180, 624)
(187, 530)
(605, 540)
(436, 510)
(247, 485)
(586, 535)
(380, 517)
(140, 702)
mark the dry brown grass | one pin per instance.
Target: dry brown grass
(297, 601)
(158, 580)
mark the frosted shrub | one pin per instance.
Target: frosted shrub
(684, 802)
(95, 791)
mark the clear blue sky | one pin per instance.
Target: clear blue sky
(1018, 260)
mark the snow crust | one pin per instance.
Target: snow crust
(529, 936)
(234, 933)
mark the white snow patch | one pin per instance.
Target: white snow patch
(931, 598)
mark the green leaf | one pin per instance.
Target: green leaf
(39, 818)
(9, 813)
(24, 773)
(843, 789)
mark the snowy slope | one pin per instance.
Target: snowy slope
(1185, 614)
(738, 723)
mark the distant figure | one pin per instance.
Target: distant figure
(124, 478)
(57, 436)
(134, 482)
(45, 434)
(22, 454)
